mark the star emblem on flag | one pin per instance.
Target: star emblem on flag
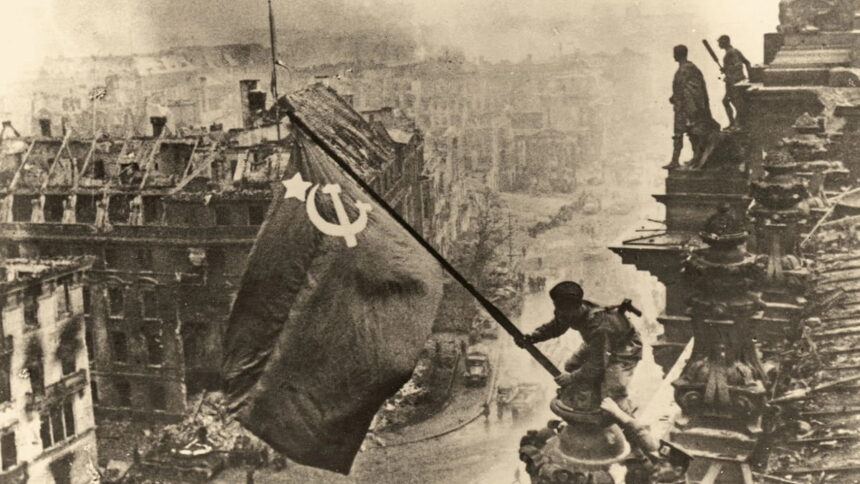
(296, 187)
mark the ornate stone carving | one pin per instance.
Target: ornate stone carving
(722, 385)
(815, 15)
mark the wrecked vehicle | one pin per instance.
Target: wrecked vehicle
(477, 366)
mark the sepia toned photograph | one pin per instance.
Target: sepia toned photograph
(430, 241)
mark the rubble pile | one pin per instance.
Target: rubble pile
(816, 432)
(428, 389)
(223, 432)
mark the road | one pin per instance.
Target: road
(486, 452)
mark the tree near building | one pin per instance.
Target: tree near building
(476, 255)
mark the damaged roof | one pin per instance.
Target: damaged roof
(342, 128)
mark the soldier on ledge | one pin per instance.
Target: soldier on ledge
(611, 346)
(733, 69)
(692, 112)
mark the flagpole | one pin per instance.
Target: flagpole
(274, 70)
(491, 308)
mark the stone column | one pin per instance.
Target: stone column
(779, 216)
(721, 390)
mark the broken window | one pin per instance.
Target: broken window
(31, 305)
(54, 208)
(149, 303)
(85, 209)
(63, 298)
(56, 418)
(8, 451)
(69, 417)
(152, 210)
(45, 127)
(112, 258)
(118, 208)
(98, 169)
(33, 357)
(123, 393)
(119, 346)
(69, 346)
(256, 214)
(116, 300)
(158, 397)
(22, 208)
(193, 337)
(5, 377)
(45, 432)
(88, 339)
(154, 344)
(37, 378)
(61, 469)
(87, 302)
(58, 424)
(222, 215)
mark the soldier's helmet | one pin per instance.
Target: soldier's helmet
(567, 291)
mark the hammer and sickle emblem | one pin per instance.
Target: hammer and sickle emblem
(344, 228)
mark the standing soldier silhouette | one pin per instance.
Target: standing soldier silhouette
(733, 69)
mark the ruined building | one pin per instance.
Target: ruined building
(47, 430)
(522, 126)
(170, 219)
(191, 86)
(525, 126)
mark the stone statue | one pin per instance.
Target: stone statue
(692, 112)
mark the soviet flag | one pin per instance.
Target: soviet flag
(337, 299)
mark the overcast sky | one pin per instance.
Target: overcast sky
(30, 30)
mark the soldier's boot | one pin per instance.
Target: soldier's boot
(677, 145)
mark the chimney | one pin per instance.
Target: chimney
(215, 127)
(158, 123)
(245, 88)
(45, 127)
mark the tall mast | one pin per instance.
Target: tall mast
(274, 70)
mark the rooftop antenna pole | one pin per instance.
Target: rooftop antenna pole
(274, 70)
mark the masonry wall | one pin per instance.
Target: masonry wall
(66, 456)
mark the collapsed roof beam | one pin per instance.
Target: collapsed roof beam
(63, 146)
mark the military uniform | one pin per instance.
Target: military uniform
(733, 69)
(611, 348)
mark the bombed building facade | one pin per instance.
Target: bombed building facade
(47, 429)
(191, 86)
(508, 124)
(170, 219)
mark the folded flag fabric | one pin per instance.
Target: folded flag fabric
(334, 307)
